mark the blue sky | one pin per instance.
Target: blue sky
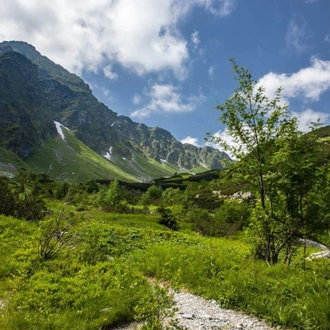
(165, 62)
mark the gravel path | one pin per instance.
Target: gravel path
(200, 314)
(196, 313)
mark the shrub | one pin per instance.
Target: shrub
(202, 220)
(30, 208)
(152, 196)
(8, 198)
(231, 217)
(167, 219)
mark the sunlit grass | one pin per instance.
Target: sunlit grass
(106, 270)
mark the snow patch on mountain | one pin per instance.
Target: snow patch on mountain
(108, 154)
(59, 129)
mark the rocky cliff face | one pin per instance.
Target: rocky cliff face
(25, 123)
(34, 92)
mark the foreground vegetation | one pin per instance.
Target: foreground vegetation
(87, 263)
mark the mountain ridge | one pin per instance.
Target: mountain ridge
(35, 92)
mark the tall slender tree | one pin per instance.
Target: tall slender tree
(269, 151)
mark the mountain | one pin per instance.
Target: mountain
(90, 140)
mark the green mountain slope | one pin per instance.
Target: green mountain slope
(71, 160)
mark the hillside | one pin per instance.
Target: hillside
(35, 92)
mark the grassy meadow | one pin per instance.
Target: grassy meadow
(87, 262)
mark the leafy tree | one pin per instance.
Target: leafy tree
(253, 121)
(299, 190)
(260, 127)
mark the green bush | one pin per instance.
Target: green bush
(231, 217)
(152, 196)
(167, 219)
(202, 220)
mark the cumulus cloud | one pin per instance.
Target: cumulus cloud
(142, 36)
(166, 98)
(308, 83)
(190, 140)
(107, 70)
(309, 116)
(296, 34)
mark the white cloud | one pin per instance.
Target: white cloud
(308, 83)
(296, 34)
(190, 140)
(211, 71)
(165, 98)
(136, 99)
(308, 116)
(142, 36)
(107, 70)
(194, 38)
(223, 136)
(310, 1)
(327, 37)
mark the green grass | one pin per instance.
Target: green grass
(101, 279)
